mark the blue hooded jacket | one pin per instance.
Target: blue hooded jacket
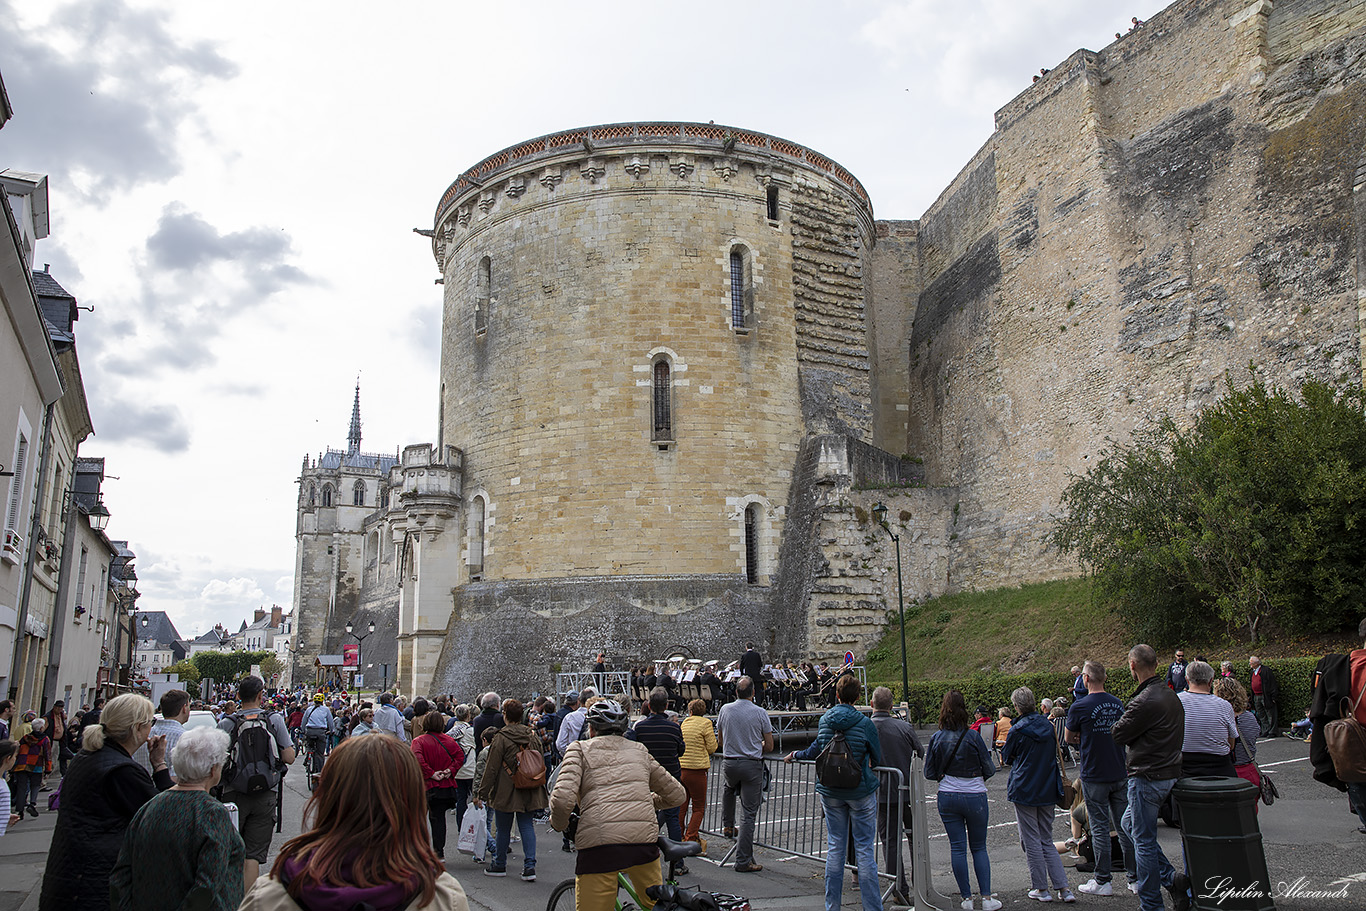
(865, 748)
(1031, 751)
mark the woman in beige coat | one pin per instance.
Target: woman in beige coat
(618, 787)
(510, 802)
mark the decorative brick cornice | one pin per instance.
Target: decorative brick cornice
(636, 141)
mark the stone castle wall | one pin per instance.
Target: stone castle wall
(1145, 219)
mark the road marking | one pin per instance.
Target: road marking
(997, 825)
(1267, 765)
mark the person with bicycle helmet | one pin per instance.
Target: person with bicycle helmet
(618, 787)
(318, 725)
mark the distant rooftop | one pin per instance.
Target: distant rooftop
(338, 458)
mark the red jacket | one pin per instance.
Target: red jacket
(435, 753)
(34, 754)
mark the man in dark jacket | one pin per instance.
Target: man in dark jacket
(662, 736)
(847, 808)
(1176, 673)
(898, 741)
(1152, 728)
(1265, 691)
(490, 716)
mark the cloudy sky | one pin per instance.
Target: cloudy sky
(234, 187)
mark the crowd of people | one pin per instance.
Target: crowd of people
(156, 815)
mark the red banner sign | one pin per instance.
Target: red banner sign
(350, 656)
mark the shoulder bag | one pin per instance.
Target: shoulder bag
(1346, 741)
(1069, 793)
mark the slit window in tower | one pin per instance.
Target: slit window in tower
(663, 401)
(752, 543)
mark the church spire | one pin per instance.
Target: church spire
(353, 435)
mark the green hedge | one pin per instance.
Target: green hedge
(993, 690)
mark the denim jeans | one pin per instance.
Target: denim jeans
(1106, 802)
(840, 817)
(670, 821)
(965, 820)
(526, 826)
(463, 786)
(1356, 792)
(1140, 824)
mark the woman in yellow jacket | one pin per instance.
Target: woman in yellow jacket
(699, 740)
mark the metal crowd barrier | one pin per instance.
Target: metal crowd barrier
(608, 683)
(791, 820)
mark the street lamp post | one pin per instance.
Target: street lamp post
(360, 640)
(880, 514)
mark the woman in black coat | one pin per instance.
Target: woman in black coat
(101, 792)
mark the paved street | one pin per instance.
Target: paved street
(1308, 833)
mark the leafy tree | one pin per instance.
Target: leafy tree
(189, 675)
(226, 667)
(1255, 515)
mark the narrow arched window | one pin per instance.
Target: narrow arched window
(327, 495)
(772, 203)
(358, 494)
(312, 494)
(384, 498)
(741, 288)
(478, 516)
(662, 410)
(484, 295)
(752, 543)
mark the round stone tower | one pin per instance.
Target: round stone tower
(645, 325)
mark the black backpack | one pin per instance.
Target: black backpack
(253, 757)
(835, 766)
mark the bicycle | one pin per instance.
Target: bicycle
(314, 758)
(669, 895)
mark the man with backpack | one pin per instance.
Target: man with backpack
(847, 750)
(259, 748)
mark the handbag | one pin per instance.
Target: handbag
(474, 836)
(1069, 793)
(1346, 741)
(1269, 791)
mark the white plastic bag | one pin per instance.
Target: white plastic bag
(474, 836)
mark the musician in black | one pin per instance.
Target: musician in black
(752, 666)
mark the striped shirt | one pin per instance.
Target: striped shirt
(1209, 723)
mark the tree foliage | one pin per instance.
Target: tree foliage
(189, 675)
(1255, 515)
(226, 667)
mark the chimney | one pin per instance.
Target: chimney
(276, 616)
(260, 612)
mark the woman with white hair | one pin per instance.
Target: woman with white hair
(102, 791)
(1035, 787)
(182, 849)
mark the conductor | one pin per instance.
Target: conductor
(752, 666)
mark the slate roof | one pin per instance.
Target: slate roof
(159, 628)
(212, 637)
(337, 458)
(58, 306)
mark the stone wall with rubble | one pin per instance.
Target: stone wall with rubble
(1145, 220)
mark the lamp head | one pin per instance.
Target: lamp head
(99, 515)
(372, 626)
(348, 627)
(880, 513)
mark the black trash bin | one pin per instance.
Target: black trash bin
(1226, 862)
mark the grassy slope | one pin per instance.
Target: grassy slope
(1049, 626)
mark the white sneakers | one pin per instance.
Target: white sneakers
(988, 904)
(1046, 895)
(1091, 887)
(1132, 887)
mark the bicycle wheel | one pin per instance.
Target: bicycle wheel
(562, 898)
